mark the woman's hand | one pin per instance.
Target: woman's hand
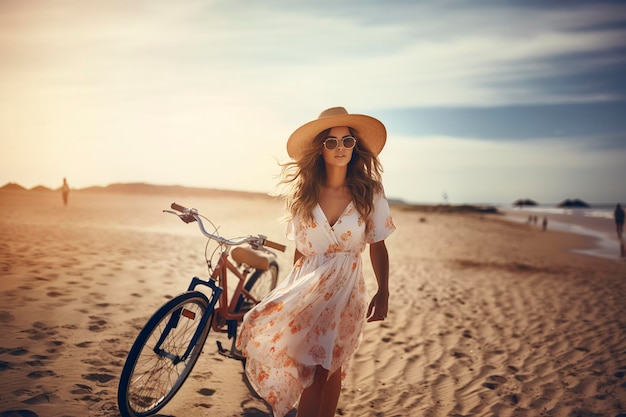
(377, 310)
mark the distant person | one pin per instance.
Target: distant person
(619, 220)
(65, 191)
(545, 224)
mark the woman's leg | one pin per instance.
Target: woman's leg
(330, 397)
(321, 397)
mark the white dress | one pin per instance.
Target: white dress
(316, 315)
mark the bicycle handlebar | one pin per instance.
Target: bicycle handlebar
(275, 245)
(189, 215)
(178, 207)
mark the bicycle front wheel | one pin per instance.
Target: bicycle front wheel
(163, 355)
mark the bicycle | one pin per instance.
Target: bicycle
(169, 345)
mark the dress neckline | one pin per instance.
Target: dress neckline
(343, 212)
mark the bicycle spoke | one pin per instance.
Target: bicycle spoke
(156, 376)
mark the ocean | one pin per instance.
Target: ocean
(596, 221)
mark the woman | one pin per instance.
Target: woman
(65, 191)
(299, 341)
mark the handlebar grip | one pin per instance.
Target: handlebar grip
(275, 245)
(178, 207)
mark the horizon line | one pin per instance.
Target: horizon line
(110, 187)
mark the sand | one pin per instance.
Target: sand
(487, 317)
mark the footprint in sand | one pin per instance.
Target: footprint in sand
(18, 413)
(15, 352)
(494, 381)
(40, 331)
(54, 346)
(95, 362)
(120, 354)
(207, 392)
(82, 389)
(6, 317)
(85, 393)
(101, 378)
(512, 369)
(22, 392)
(97, 324)
(53, 292)
(460, 355)
(40, 374)
(42, 399)
(513, 399)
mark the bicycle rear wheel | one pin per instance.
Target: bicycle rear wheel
(163, 355)
(260, 283)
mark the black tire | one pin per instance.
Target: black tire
(259, 284)
(150, 380)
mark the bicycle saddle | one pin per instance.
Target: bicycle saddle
(250, 257)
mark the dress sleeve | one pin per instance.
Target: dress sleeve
(379, 224)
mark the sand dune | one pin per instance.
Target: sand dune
(487, 317)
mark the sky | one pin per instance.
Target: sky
(484, 101)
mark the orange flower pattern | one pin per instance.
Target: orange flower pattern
(316, 314)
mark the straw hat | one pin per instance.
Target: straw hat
(370, 131)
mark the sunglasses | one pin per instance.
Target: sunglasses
(347, 142)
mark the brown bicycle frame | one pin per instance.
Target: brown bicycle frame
(226, 308)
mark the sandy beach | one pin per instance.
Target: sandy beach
(488, 317)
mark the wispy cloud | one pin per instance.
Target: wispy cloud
(452, 53)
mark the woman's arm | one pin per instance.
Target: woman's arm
(379, 305)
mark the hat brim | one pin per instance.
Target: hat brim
(369, 130)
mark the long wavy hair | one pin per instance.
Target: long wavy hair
(306, 176)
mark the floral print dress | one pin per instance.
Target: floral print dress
(316, 315)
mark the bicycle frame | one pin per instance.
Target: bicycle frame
(224, 313)
(173, 322)
(226, 308)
